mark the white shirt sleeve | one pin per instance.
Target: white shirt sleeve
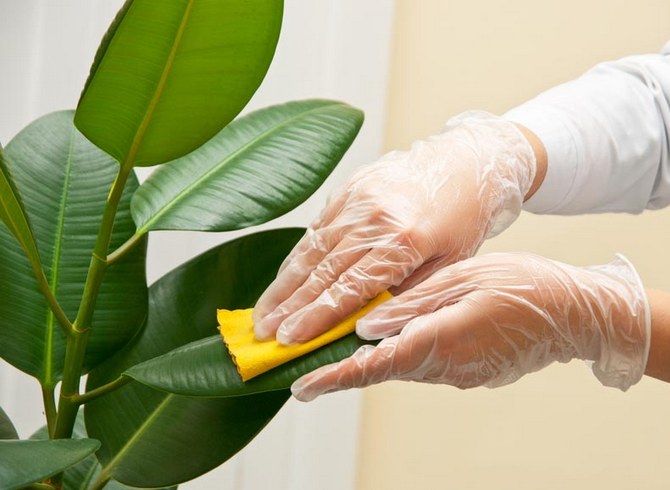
(607, 136)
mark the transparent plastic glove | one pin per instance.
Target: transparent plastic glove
(397, 221)
(491, 319)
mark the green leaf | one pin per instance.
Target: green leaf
(257, 168)
(25, 462)
(7, 430)
(13, 213)
(147, 433)
(84, 473)
(115, 485)
(169, 75)
(64, 181)
(205, 368)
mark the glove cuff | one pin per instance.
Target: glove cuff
(625, 347)
(509, 167)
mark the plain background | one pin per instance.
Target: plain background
(556, 429)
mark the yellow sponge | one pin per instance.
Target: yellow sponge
(253, 357)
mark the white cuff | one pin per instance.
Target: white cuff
(562, 154)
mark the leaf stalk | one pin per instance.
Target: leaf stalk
(101, 390)
(125, 248)
(45, 289)
(39, 486)
(100, 483)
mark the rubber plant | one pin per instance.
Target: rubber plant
(163, 403)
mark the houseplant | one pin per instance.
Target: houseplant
(163, 403)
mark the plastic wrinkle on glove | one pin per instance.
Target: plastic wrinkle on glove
(253, 357)
(399, 220)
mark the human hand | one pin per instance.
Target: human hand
(489, 320)
(397, 221)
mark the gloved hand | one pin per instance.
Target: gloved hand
(489, 320)
(397, 221)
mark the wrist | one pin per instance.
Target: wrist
(622, 314)
(540, 153)
(658, 363)
(505, 167)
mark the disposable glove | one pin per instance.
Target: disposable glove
(397, 221)
(491, 319)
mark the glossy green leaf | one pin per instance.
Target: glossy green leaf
(85, 473)
(25, 462)
(13, 214)
(7, 430)
(153, 438)
(205, 368)
(64, 181)
(169, 75)
(257, 168)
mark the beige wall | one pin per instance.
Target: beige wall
(557, 429)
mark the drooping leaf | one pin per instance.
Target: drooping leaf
(169, 75)
(257, 168)
(25, 462)
(13, 214)
(82, 475)
(7, 430)
(152, 438)
(205, 368)
(64, 181)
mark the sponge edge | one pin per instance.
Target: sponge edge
(253, 357)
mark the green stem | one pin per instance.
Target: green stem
(101, 390)
(100, 483)
(78, 338)
(38, 486)
(125, 248)
(49, 409)
(58, 312)
(74, 361)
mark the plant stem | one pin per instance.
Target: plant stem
(58, 312)
(78, 338)
(49, 409)
(124, 249)
(101, 390)
(74, 361)
(100, 483)
(39, 486)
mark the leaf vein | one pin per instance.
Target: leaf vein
(142, 128)
(222, 164)
(55, 264)
(135, 437)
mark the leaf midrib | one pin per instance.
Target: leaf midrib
(55, 265)
(158, 93)
(222, 164)
(109, 467)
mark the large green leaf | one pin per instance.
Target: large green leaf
(64, 181)
(7, 430)
(25, 462)
(152, 438)
(257, 168)
(205, 368)
(169, 75)
(82, 475)
(13, 214)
